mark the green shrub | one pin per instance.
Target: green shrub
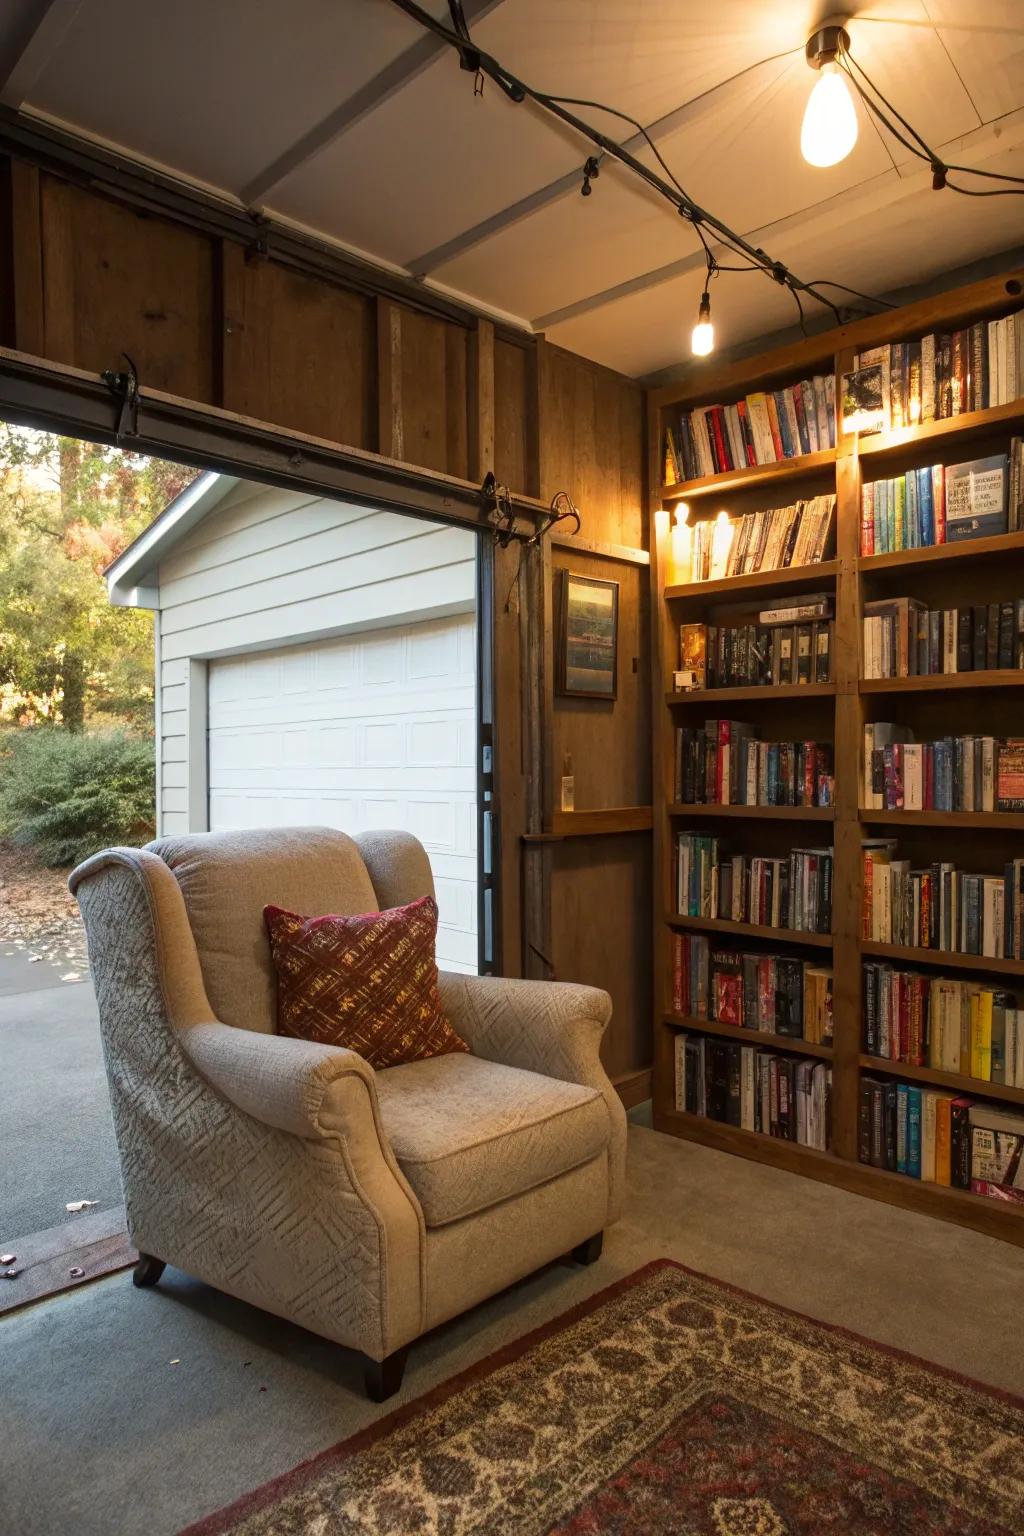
(65, 794)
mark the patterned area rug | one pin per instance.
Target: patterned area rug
(669, 1405)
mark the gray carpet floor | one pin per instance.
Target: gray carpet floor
(56, 1136)
(127, 1411)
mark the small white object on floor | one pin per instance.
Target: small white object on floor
(79, 1205)
(71, 976)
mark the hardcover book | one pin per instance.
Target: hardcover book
(976, 498)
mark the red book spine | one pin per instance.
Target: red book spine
(810, 753)
(773, 422)
(939, 501)
(723, 747)
(722, 453)
(904, 1021)
(677, 974)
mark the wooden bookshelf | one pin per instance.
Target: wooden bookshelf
(964, 550)
(944, 682)
(789, 577)
(756, 812)
(751, 475)
(749, 930)
(947, 959)
(700, 1026)
(956, 1082)
(972, 571)
(1007, 821)
(711, 697)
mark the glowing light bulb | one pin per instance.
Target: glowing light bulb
(829, 129)
(702, 341)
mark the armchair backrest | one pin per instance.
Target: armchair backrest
(227, 878)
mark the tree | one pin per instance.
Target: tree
(67, 509)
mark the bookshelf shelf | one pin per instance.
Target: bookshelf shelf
(750, 930)
(930, 554)
(712, 696)
(750, 474)
(885, 446)
(943, 682)
(1007, 821)
(955, 1081)
(789, 576)
(974, 572)
(749, 1036)
(756, 812)
(947, 959)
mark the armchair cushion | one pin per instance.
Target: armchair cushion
(469, 1133)
(366, 982)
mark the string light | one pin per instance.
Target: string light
(702, 338)
(829, 129)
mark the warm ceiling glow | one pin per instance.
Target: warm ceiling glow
(829, 129)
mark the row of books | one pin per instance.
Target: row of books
(941, 907)
(937, 505)
(953, 1025)
(763, 428)
(941, 1138)
(724, 763)
(771, 994)
(800, 534)
(787, 1097)
(770, 651)
(789, 892)
(902, 637)
(940, 376)
(958, 773)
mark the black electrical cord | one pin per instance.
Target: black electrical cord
(518, 90)
(940, 167)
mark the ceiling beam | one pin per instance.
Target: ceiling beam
(33, 46)
(393, 78)
(870, 196)
(716, 95)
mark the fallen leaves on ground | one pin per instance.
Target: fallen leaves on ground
(38, 914)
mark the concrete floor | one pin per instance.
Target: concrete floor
(102, 1435)
(56, 1136)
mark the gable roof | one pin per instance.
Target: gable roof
(128, 578)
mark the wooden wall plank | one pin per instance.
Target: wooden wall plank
(609, 741)
(512, 417)
(117, 281)
(389, 379)
(296, 351)
(21, 303)
(601, 934)
(434, 401)
(481, 401)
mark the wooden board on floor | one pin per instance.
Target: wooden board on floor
(97, 1244)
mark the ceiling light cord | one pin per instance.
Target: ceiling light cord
(670, 190)
(920, 149)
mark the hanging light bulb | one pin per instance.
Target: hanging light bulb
(829, 129)
(702, 341)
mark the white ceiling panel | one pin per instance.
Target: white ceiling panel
(216, 88)
(482, 195)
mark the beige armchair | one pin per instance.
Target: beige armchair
(366, 1206)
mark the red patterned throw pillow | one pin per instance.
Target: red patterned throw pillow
(367, 982)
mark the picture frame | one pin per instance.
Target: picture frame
(588, 637)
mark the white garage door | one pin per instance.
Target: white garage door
(371, 730)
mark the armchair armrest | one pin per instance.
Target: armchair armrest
(550, 1027)
(292, 1085)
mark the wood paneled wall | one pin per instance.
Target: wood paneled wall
(88, 279)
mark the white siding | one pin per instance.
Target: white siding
(369, 730)
(271, 568)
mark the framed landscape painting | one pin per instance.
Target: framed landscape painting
(588, 637)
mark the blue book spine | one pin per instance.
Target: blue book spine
(914, 1132)
(926, 500)
(912, 513)
(773, 775)
(790, 449)
(901, 1127)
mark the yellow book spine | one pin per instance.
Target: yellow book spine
(981, 1035)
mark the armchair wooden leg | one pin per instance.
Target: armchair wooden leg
(148, 1270)
(590, 1251)
(384, 1377)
